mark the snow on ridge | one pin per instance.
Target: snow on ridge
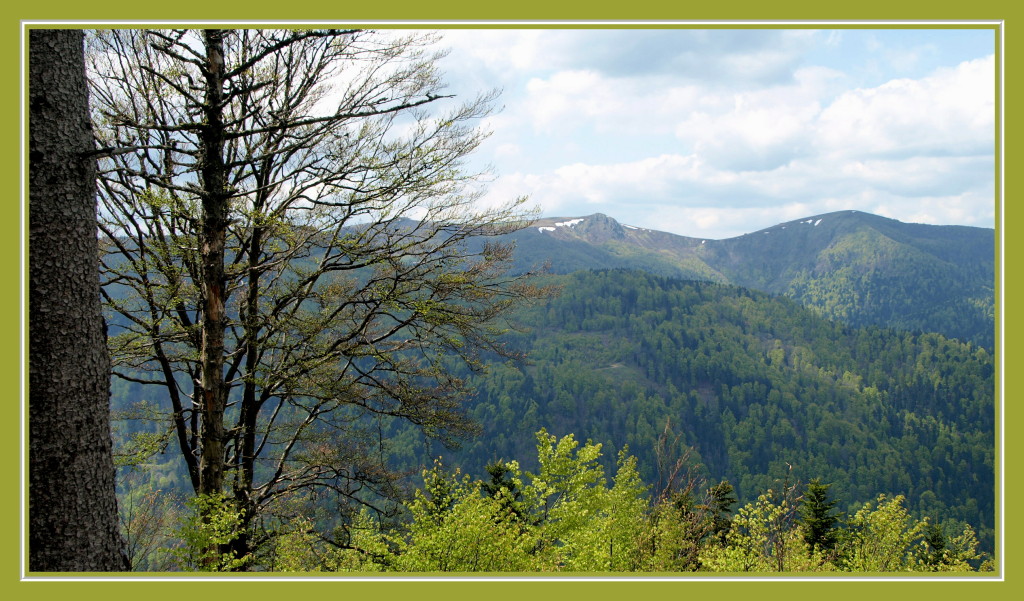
(817, 222)
(570, 223)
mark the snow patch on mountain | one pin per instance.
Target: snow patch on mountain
(570, 223)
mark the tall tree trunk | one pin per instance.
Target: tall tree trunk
(73, 524)
(214, 232)
(213, 235)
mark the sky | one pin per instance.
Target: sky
(716, 133)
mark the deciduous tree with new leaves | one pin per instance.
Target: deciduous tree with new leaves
(566, 518)
(291, 245)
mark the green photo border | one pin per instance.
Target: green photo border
(529, 11)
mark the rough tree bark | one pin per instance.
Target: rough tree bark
(215, 203)
(72, 503)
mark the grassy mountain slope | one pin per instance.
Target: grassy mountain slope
(852, 266)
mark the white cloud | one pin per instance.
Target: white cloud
(569, 100)
(566, 98)
(497, 53)
(686, 195)
(575, 184)
(730, 55)
(757, 129)
(696, 136)
(949, 113)
(719, 223)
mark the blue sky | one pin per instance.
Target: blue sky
(715, 133)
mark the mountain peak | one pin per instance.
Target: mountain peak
(596, 229)
(849, 265)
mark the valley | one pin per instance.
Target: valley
(845, 347)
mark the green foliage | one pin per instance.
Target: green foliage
(565, 518)
(140, 447)
(719, 505)
(505, 489)
(598, 529)
(625, 518)
(960, 553)
(148, 518)
(455, 528)
(295, 549)
(567, 492)
(881, 537)
(308, 285)
(938, 553)
(568, 519)
(818, 517)
(751, 383)
(368, 549)
(677, 534)
(139, 431)
(214, 522)
(761, 539)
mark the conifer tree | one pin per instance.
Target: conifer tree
(504, 487)
(721, 498)
(933, 545)
(817, 514)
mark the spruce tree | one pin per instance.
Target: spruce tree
(931, 552)
(721, 498)
(817, 513)
(503, 488)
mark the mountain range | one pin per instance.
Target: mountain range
(845, 346)
(850, 266)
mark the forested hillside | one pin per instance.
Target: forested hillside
(762, 389)
(850, 266)
(329, 350)
(744, 387)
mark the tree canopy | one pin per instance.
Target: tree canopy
(572, 519)
(286, 258)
